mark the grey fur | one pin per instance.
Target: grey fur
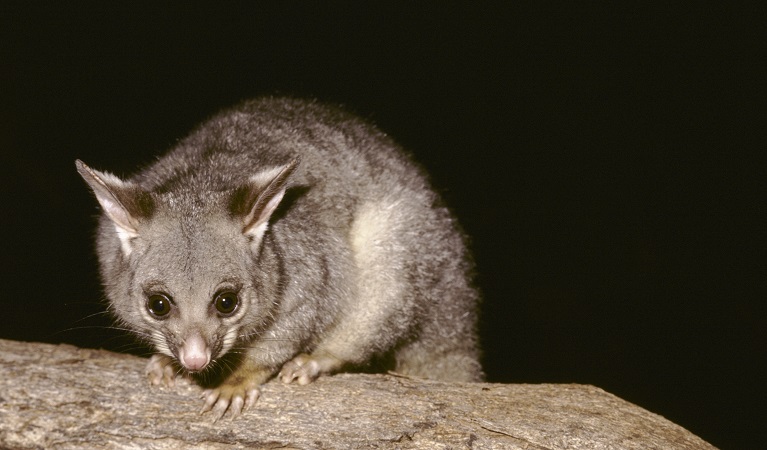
(339, 252)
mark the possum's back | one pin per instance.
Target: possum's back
(339, 154)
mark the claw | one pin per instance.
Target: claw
(219, 409)
(210, 396)
(235, 407)
(251, 397)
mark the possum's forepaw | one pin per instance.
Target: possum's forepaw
(235, 395)
(161, 371)
(306, 368)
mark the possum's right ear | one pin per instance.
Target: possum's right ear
(123, 202)
(255, 202)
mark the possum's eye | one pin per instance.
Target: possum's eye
(158, 305)
(226, 302)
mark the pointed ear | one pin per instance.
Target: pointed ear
(256, 201)
(124, 203)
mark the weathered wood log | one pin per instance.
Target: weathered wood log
(65, 397)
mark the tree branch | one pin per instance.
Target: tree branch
(66, 397)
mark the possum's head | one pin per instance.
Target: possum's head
(181, 268)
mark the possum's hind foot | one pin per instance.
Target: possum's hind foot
(306, 368)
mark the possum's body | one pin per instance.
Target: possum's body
(285, 236)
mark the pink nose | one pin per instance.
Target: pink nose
(194, 353)
(195, 362)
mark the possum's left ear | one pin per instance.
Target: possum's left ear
(255, 202)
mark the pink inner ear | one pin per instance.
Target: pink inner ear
(272, 186)
(118, 215)
(107, 187)
(258, 218)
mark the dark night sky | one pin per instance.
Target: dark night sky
(604, 159)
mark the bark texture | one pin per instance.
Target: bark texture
(61, 396)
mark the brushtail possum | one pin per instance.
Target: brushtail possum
(285, 238)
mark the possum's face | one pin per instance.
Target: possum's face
(180, 266)
(193, 290)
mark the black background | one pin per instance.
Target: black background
(605, 159)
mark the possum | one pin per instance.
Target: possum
(286, 238)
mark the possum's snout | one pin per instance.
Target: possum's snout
(194, 354)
